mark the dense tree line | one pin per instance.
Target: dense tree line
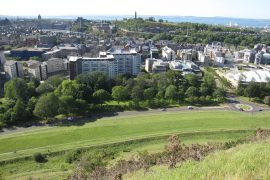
(259, 91)
(28, 100)
(200, 33)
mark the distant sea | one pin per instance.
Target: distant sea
(175, 19)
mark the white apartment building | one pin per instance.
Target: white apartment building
(127, 61)
(13, 69)
(78, 65)
(114, 62)
(168, 54)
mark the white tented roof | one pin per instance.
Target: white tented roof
(254, 75)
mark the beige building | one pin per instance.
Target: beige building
(168, 54)
(13, 69)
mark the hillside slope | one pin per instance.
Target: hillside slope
(248, 161)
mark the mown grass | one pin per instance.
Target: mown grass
(248, 161)
(117, 129)
(58, 168)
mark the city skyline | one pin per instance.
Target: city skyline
(208, 8)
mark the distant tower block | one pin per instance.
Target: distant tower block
(135, 15)
(39, 17)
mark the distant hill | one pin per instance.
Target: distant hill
(175, 19)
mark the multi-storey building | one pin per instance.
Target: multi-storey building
(78, 65)
(43, 70)
(127, 61)
(13, 69)
(35, 70)
(168, 54)
(114, 62)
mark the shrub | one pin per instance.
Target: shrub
(267, 100)
(40, 158)
(73, 156)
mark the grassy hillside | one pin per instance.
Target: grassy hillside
(149, 132)
(58, 168)
(117, 129)
(248, 161)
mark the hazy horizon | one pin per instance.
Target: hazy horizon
(248, 9)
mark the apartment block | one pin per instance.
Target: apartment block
(114, 62)
(13, 69)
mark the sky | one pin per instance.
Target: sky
(256, 9)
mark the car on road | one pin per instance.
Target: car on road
(190, 107)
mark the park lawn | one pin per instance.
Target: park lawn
(57, 168)
(247, 161)
(118, 129)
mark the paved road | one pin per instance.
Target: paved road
(230, 106)
(112, 115)
(233, 101)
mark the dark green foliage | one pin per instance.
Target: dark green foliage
(149, 93)
(119, 93)
(101, 96)
(16, 89)
(73, 156)
(171, 92)
(94, 80)
(47, 106)
(40, 158)
(257, 91)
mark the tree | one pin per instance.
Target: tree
(171, 92)
(31, 89)
(66, 104)
(16, 89)
(71, 88)
(267, 100)
(30, 107)
(149, 93)
(192, 80)
(35, 81)
(137, 93)
(47, 106)
(119, 93)
(220, 94)
(55, 81)
(101, 95)
(44, 88)
(18, 112)
(81, 106)
(252, 90)
(94, 80)
(192, 92)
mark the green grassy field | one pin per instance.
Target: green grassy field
(248, 161)
(117, 129)
(57, 168)
(193, 127)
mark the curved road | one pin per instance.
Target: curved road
(230, 106)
